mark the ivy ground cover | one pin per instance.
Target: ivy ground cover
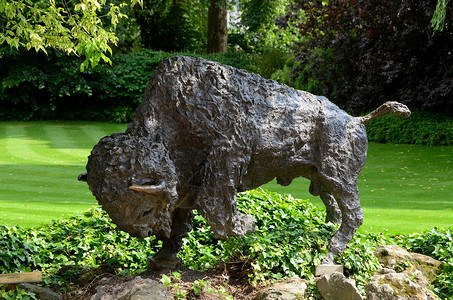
(404, 188)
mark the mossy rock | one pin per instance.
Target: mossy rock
(400, 260)
(389, 285)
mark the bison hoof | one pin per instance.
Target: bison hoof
(249, 224)
(243, 224)
(157, 263)
(239, 226)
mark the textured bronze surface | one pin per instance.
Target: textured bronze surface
(204, 132)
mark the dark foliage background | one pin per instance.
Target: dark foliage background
(362, 53)
(43, 87)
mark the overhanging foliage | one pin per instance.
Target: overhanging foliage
(85, 28)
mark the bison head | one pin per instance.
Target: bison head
(135, 181)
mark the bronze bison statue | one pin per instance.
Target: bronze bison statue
(204, 132)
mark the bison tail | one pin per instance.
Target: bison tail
(392, 107)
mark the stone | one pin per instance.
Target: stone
(390, 256)
(328, 269)
(291, 289)
(337, 287)
(395, 257)
(398, 286)
(135, 289)
(204, 132)
(42, 293)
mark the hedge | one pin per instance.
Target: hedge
(425, 128)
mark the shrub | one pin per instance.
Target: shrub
(420, 128)
(86, 240)
(18, 250)
(291, 236)
(291, 239)
(35, 86)
(271, 61)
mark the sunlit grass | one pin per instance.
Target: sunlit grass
(39, 164)
(404, 188)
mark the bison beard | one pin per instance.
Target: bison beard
(204, 132)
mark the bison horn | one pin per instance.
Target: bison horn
(148, 189)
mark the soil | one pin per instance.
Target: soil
(232, 278)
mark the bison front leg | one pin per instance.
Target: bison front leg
(352, 218)
(217, 201)
(218, 206)
(333, 212)
(167, 255)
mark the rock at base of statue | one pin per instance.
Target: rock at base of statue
(328, 269)
(337, 287)
(137, 289)
(41, 292)
(290, 289)
(395, 257)
(390, 285)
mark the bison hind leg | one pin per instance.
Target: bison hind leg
(352, 218)
(333, 212)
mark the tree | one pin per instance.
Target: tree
(85, 29)
(362, 53)
(265, 23)
(217, 27)
(173, 25)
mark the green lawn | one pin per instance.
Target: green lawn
(40, 162)
(404, 188)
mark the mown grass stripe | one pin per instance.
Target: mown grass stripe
(40, 186)
(41, 178)
(60, 142)
(96, 131)
(23, 149)
(35, 213)
(408, 220)
(65, 137)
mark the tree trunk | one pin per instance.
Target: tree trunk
(217, 27)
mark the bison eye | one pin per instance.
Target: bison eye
(151, 182)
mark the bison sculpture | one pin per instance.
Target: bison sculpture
(204, 132)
